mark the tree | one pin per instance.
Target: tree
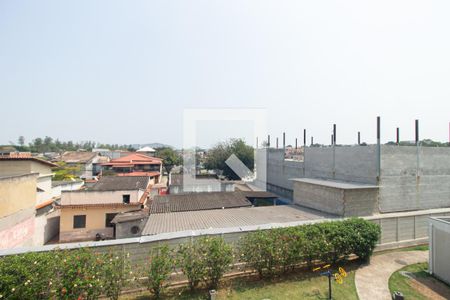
(216, 157)
(170, 158)
(21, 140)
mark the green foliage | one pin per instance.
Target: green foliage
(190, 259)
(158, 270)
(66, 172)
(205, 259)
(217, 257)
(170, 158)
(116, 273)
(269, 251)
(216, 157)
(61, 274)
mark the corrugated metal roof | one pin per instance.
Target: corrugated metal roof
(198, 201)
(121, 183)
(345, 185)
(236, 217)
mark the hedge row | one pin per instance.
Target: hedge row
(84, 274)
(278, 249)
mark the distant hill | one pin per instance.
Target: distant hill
(151, 145)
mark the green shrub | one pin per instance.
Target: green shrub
(116, 273)
(26, 276)
(363, 237)
(258, 251)
(158, 270)
(217, 257)
(190, 259)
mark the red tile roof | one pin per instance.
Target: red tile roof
(149, 174)
(134, 159)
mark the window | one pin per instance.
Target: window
(126, 199)
(108, 219)
(79, 221)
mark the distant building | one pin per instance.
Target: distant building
(135, 165)
(87, 214)
(147, 151)
(202, 183)
(18, 164)
(17, 210)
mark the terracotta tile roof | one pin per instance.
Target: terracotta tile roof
(99, 205)
(121, 183)
(198, 201)
(148, 174)
(136, 158)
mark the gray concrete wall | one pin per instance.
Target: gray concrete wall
(123, 230)
(348, 163)
(409, 181)
(340, 202)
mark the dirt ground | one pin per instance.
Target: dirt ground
(431, 288)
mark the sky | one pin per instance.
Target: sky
(125, 71)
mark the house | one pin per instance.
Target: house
(17, 210)
(198, 201)
(87, 162)
(170, 207)
(147, 151)
(46, 221)
(87, 214)
(185, 183)
(135, 165)
(24, 163)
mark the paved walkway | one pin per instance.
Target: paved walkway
(372, 281)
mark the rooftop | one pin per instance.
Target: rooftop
(130, 216)
(64, 182)
(121, 183)
(178, 179)
(345, 185)
(198, 201)
(134, 158)
(229, 218)
(146, 149)
(27, 158)
(77, 156)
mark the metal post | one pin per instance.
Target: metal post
(359, 138)
(257, 142)
(334, 134)
(417, 149)
(295, 143)
(417, 132)
(378, 148)
(329, 285)
(304, 137)
(312, 141)
(277, 143)
(398, 136)
(284, 140)
(332, 139)
(268, 141)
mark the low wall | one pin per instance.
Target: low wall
(397, 230)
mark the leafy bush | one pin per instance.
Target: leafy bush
(61, 274)
(205, 259)
(158, 270)
(279, 249)
(190, 259)
(363, 236)
(116, 273)
(217, 257)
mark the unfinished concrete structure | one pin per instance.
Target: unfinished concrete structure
(407, 177)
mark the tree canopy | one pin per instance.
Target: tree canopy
(170, 158)
(216, 157)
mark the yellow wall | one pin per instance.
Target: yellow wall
(16, 167)
(95, 216)
(17, 193)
